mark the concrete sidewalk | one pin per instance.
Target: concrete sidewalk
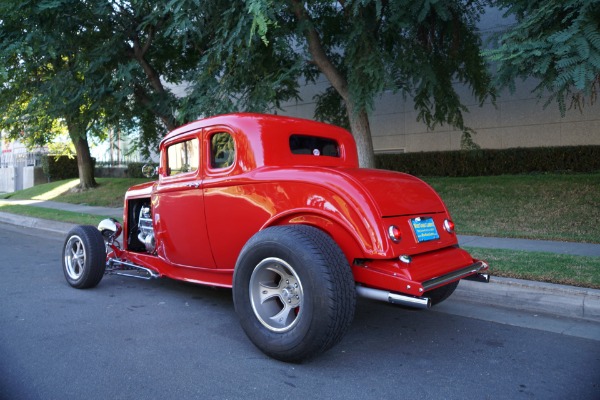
(548, 246)
(516, 294)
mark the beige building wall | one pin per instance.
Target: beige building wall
(516, 120)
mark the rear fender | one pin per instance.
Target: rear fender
(347, 239)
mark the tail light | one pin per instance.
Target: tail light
(449, 226)
(394, 233)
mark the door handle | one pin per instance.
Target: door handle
(194, 185)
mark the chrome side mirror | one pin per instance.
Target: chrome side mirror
(149, 170)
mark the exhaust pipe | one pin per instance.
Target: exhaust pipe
(394, 298)
(485, 278)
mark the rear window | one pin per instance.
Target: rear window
(317, 146)
(222, 150)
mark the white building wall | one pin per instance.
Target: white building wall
(516, 120)
(7, 180)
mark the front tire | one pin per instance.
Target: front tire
(294, 292)
(84, 257)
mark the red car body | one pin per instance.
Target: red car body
(225, 184)
(202, 219)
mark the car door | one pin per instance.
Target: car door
(235, 207)
(179, 204)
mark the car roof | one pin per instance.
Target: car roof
(267, 138)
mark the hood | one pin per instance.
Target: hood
(397, 193)
(141, 190)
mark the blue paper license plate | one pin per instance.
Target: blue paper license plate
(425, 229)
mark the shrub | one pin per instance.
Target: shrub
(494, 162)
(59, 167)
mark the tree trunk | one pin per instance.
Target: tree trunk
(359, 118)
(138, 52)
(85, 165)
(361, 130)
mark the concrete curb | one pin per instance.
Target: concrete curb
(531, 296)
(37, 223)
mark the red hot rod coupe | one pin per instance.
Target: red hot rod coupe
(277, 209)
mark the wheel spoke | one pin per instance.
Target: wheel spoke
(78, 265)
(284, 317)
(268, 292)
(279, 270)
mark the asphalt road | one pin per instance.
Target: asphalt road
(161, 339)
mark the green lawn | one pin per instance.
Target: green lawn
(109, 193)
(554, 206)
(543, 267)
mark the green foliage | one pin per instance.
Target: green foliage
(555, 41)
(237, 71)
(266, 49)
(115, 64)
(59, 167)
(61, 146)
(330, 108)
(260, 23)
(466, 140)
(95, 65)
(494, 162)
(52, 74)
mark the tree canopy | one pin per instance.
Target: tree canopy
(90, 65)
(555, 41)
(363, 48)
(95, 64)
(47, 76)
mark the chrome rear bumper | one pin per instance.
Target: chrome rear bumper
(463, 273)
(472, 272)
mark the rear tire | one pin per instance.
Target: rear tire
(294, 292)
(84, 257)
(440, 294)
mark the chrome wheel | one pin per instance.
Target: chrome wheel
(276, 294)
(84, 257)
(74, 257)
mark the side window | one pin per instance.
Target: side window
(317, 146)
(183, 157)
(222, 150)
